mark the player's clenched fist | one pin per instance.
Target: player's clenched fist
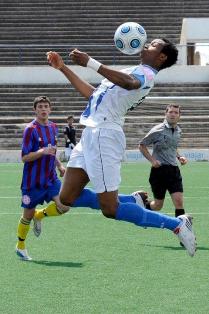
(79, 57)
(55, 60)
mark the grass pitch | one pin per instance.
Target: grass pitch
(85, 263)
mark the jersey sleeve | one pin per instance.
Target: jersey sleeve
(138, 75)
(149, 138)
(145, 75)
(27, 142)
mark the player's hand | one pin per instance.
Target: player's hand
(61, 170)
(49, 151)
(78, 57)
(182, 160)
(55, 60)
(156, 163)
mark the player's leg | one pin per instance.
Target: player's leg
(175, 188)
(155, 204)
(177, 199)
(55, 208)
(133, 213)
(104, 171)
(157, 180)
(22, 232)
(74, 181)
(89, 198)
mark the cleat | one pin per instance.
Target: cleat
(141, 198)
(186, 235)
(36, 227)
(23, 254)
(190, 219)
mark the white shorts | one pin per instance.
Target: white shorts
(100, 152)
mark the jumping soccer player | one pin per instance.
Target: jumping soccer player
(98, 155)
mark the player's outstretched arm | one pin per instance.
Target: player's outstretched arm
(117, 77)
(56, 61)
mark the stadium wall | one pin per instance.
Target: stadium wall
(46, 75)
(130, 155)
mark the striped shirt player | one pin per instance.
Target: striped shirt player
(39, 181)
(41, 172)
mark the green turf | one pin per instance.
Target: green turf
(85, 263)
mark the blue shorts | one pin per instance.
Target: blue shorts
(30, 199)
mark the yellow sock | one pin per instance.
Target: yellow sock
(22, 231)
(50, 210)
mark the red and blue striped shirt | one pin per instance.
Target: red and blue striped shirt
(41, 172)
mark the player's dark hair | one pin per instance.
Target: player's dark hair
(171, 52)
(70, 117)
(41, 99)
(173, 106)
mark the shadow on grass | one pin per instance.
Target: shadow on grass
(176, 248)
(57, 264)
(199, 248)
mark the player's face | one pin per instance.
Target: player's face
(172, 116)
(151, 54)
(70, 121)
(42, 111)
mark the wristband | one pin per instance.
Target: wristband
(93, 64)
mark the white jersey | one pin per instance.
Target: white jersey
(109, 103)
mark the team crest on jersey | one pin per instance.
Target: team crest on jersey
(26, 199)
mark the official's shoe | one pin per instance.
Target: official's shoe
(186, 235)
(141, 198)
(23, 254)
(36, 226)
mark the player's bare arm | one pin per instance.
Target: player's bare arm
(145, 152)
(56, 61)
(60, 167)
(119, 78)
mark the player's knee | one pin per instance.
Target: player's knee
(108, 210)
(65, 200)
(156, 206)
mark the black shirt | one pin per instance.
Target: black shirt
(70, 132)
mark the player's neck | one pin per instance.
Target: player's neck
(42, 121)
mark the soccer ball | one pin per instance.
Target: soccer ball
(130, 38)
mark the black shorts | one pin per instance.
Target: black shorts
(165, 178)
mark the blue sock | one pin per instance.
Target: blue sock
(145, 218)
(88, 198)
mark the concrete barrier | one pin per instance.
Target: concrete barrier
(130, 155)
